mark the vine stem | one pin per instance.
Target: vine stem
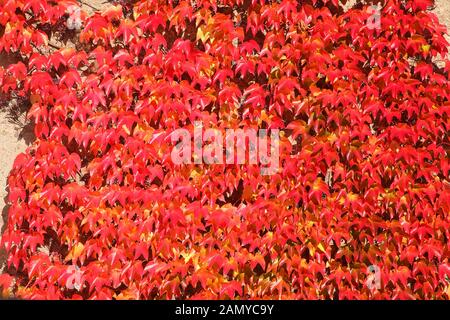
(88, 5)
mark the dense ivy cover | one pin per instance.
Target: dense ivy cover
(99, 210)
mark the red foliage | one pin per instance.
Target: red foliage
(364, 176)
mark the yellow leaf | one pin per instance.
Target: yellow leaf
(202, 35)
(311, 248)
(194, 174)
(76, 251)
(320, 246)
(332, 138)
(8, 28)
(125, 128)
(188, 256)
(352, 196)
(426, 48)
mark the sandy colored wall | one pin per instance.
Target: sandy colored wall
(13, 137)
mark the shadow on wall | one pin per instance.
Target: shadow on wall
(15, 116)
(4, 217)
(15, 113)
(15, 108)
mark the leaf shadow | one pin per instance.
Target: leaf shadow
(16, 111)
